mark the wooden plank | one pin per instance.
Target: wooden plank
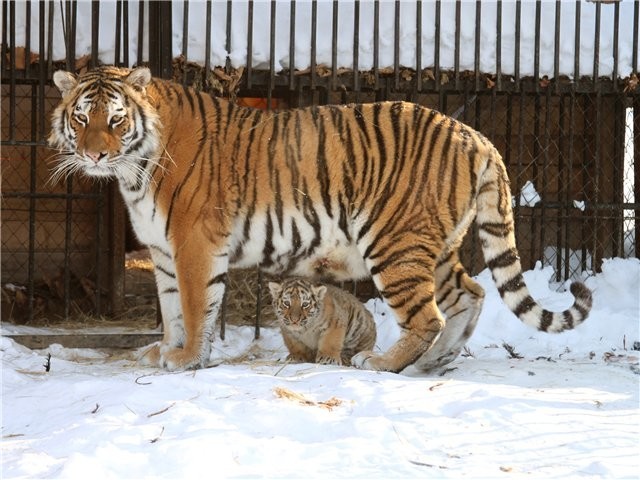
(87, 340)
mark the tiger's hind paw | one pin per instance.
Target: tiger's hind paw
(367, 360)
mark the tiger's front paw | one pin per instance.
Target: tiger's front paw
(328, 360)
(182, 359)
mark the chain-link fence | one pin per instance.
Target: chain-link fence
(568, 129)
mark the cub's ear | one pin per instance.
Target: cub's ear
(275, 289)
(139, 78)
(320, 291)
(65, 81)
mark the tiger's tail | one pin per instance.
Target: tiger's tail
(496, 230)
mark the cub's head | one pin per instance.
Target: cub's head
(296, 301)
(105, 125)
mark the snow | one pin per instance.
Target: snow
(569, 408)
(261, 45)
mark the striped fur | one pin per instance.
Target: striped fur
(386, 190)
(321, 323)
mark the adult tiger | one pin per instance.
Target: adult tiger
(386, 190)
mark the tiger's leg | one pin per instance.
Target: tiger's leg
(330, 344)
(460, 300)
(298, 351)
(167, 287)
(405, 277)
(201, 271)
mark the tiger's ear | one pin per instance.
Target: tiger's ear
(275, 289)
(320, 291)
(65, 81)
(139, 78)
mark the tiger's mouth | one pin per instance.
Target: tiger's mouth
(103, 167)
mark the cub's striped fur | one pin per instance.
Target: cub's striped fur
(321, 323)
(386, 190)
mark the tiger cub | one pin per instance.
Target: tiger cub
(321, 323)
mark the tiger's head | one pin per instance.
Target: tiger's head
(296, 301)
(105, 125)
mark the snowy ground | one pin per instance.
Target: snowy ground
(568, 408)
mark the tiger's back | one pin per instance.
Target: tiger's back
(321, 323)
(385, 190)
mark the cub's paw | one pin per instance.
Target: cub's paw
(328, 360)
(150, 356)
(180, 359)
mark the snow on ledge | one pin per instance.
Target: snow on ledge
(260, 56)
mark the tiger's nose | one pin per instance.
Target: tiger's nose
(95, 156)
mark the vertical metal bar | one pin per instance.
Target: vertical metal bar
(545, 172)
(596, 46)
(125, 32)
(499, 45)
(95, 32)
(597, 249)
(570, 156)
(140, 53)
(356, 46)
(32, 204)
(618, 175)
(536, 48)
(376, 43)
(314, 33)
(98, 250)
(228, 46)
(564, 178)
(334, 46)
(476, 60)
(436, 46)
(396, 47)
(12, 70)
(272, 53)
(636, 162)
(576, 45)
(616, 25)
(634, 56)
(4, 54)
(250, 44)
(456, 59)
(292, 45)
(118, 46)
(516, 60)
(27, 46)
(50, 39)
(207, 44)
(556, 50)
(185, 39)
(42, 74)
(419, 46)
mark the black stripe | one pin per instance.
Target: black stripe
(497, 229)
(505, 259)
(525, 306)
(546, 320)
(514, 285)
(166, 272)
(220, 278)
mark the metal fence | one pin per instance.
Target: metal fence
(568, 129)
